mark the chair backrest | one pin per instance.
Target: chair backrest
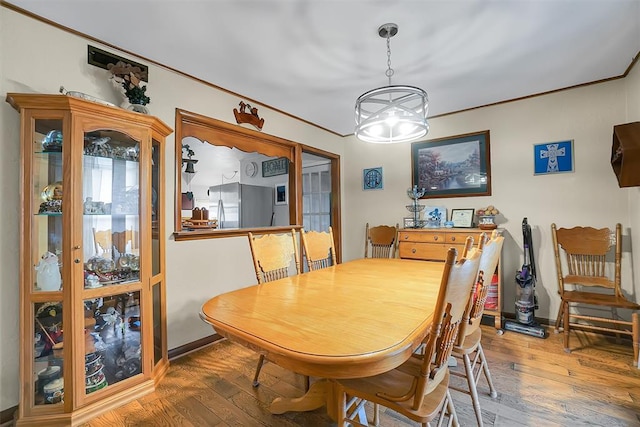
(319, 249)
(491, 249)
(585, 250)
(382, 240)
(455, 287)
(272, 255)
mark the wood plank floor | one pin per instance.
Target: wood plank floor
(538, 385)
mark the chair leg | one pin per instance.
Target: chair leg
(635, 330)
(453, 416)
(487, 374)
(559, 317)
(256, 383)
(472, 388)
(566, 326)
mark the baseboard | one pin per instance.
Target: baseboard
(6, 416)
(193, 346)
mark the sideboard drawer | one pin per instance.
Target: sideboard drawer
(425, 251)
(426, 236)
(461, 238)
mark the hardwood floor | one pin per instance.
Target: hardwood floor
(538, 385)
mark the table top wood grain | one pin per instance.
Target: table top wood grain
(354, 319)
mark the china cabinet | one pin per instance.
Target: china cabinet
(92, 271)
(433, 244)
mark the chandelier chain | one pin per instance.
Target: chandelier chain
(389, 71)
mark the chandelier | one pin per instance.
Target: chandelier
(391, 114)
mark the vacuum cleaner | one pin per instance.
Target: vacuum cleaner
(526, 300)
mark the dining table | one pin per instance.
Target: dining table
(351, 320)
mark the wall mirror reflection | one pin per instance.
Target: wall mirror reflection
(228, 177)
(231, 188)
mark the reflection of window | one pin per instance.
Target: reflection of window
(316, 198)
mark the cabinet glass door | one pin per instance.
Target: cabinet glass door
(46, 258)
(111, 249)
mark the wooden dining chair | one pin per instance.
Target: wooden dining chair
(381, 241)
(319, 249)
(419, 388)
(273, 255)
(592, 283)
(469, 346)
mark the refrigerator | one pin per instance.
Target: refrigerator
(241, 205)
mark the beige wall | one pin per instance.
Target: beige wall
(632, 90)
(589, 196)
(37, 58)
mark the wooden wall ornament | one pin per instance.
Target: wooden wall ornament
(251, 117)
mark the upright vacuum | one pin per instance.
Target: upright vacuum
(526, 300)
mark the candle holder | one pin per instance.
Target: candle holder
(415, 194)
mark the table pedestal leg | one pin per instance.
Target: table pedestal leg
(317, 396)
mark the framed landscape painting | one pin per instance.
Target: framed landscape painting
(455, 166)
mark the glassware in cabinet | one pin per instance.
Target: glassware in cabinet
(111, 209)
(46, 200)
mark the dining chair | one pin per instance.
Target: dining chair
(469, 338)
(419, 388)
(273, 255)
(319, 249)
(381, 241)
(585, 251)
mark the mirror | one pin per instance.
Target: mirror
(232, 179)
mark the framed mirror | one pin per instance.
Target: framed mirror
(228, 176)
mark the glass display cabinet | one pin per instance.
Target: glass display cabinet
(92, 272)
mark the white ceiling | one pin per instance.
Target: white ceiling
(313, 58)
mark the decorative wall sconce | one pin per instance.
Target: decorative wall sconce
(251, 117)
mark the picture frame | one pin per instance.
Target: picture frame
(455, 166)
(408, 222)
(372, 178)
(275, 167)
(281, 194)
(188, 202)
(462, 218)
(553, 157)
(436, 211)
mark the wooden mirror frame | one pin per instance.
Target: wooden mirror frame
(212, 131)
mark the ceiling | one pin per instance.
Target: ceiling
(313, 58)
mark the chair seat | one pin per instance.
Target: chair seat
(396, 382)
(470, 343)
(593, 298)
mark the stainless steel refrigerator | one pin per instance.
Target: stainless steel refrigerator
(242, 205)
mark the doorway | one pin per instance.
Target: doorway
(321, 193)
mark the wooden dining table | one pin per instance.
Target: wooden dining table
(351, 320)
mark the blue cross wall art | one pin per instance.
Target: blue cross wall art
(553, 157)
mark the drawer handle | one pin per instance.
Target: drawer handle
(435, 237)
(453, 238)
(406, 237)
(413, 251)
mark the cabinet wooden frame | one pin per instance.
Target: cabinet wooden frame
(78, 121)
(219, 133)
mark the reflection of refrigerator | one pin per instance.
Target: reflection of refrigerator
(242, 205)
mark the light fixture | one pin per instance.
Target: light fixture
(391, 114)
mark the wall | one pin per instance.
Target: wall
(39, 58)
(632, 83)
(589, 196)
